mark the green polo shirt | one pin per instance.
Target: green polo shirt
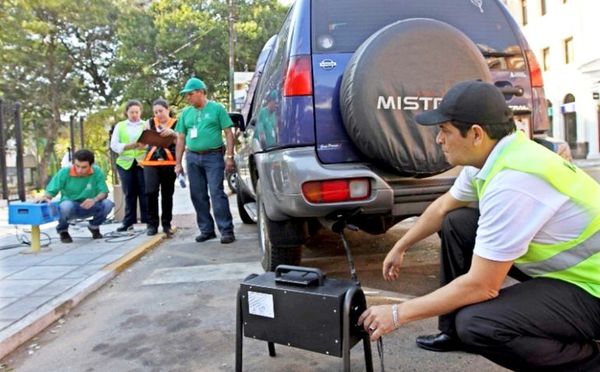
(77, 188)
(209, 122)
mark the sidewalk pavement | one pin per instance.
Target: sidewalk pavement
(587, 163)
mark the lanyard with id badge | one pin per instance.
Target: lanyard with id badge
(194, 129)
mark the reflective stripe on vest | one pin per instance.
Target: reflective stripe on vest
(126, 158)
(170, 160)
(576, 261)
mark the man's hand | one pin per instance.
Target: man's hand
(87, 203)
(377, 321)
(229, 165)
(44, 199)
(178, 169)
(393, 263)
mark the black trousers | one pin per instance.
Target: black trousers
(539, 323)
(132, 183)
(161, 178)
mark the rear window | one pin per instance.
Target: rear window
(340, 26)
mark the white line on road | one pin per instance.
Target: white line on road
(203, 273)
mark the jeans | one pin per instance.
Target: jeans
(70, 210)
(206, 174)
(132, 183)
(160, 178)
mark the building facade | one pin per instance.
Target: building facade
(563, 34)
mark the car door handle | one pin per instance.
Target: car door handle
(510, 90)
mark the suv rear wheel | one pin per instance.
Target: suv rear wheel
(280, 242)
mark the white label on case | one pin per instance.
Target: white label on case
(261, 304)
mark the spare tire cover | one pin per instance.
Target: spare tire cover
(398, 72)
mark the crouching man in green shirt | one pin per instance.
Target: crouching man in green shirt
(83, 193)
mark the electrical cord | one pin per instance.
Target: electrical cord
(23, 237)
(339, 228)
(118, 237)
(113, 236)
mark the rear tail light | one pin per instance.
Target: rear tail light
(539, 117)
(535, 72)
(333, 191)
(298, 77)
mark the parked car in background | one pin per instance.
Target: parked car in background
(329, 121)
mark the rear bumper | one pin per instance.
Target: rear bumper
(283, 172)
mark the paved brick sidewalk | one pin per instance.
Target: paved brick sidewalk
(37, 289)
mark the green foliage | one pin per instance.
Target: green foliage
(87, 57)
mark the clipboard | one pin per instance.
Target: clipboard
(153, 138)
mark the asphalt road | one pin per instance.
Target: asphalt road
(174, 310)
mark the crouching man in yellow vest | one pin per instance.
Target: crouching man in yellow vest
(538, 221)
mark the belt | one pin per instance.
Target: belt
(204, 152)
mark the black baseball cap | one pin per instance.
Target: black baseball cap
(471, 101)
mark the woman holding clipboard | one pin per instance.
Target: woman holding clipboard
(159, 166)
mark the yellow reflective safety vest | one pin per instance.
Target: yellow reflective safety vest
(126, 158)
(576, 261)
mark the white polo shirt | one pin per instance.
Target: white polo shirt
(516, 209)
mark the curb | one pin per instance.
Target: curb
(26, 328)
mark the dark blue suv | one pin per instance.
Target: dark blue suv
(330, 112)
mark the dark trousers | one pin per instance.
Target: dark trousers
(160, 178)
(539, 323)
(132, 183)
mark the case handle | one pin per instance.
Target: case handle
(298, 275)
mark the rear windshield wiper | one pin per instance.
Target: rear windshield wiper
(497, 54)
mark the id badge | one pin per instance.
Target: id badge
(193, 133)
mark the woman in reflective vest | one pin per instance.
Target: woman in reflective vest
(124, 141)
(159, 168)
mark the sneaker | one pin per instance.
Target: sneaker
(65, 237)
(124, 228)
(151, 230)
(204, 237)
(95, 233)
(227, 239)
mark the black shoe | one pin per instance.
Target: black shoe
(440, 342)
(168, 231)
(95, 233)
(227, 239)
(65, 237)
(124, 228)
(204, 237)
(151, 230)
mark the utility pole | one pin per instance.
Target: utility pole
(72, 135)
(3, 176)
(81, 137)
(231, 54)
(20, 164)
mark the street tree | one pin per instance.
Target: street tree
(43, 65)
